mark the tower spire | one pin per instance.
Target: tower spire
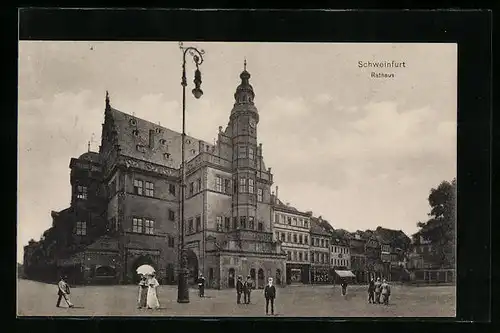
(245, 64)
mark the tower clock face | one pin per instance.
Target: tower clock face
(252, 123)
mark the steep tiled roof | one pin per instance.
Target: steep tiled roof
(394, 237)
(279, 204)
(134, 138)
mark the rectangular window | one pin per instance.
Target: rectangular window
(227, 223)
(138, 186)
(235, 222)
(171, 215)
(289, 255)
(149, 192)
(190, 226)
(276, 218)
(218, 184)
(250, 185)
(322, 243)
(171, 241)
(306, 239)
(171, 189)
(81, 228)
(259, 194)
(294, 221)
(191, 188)
(260, 226)
(289, 219)
(288, 237)
(149, 226)
(306, 224)
(295, 238)
(199, 184)
(250, 153)
(137, 225)
(242, 151)
(218, 223)
(251, 224)
(294, 255)
(300, 256)
(243, 222)
(306, 256)
(227, 186)
(198, 223)
(243, 185)
(81, 192)
(300, 239)
(283, 236)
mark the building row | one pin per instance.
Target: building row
(125, 201)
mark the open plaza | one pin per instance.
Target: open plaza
(39, 299)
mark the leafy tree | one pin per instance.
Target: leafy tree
(440, 228)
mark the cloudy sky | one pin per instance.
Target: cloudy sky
(362, 152)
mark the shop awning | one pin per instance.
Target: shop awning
(345, 273)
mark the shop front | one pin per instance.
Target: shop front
(320, 275)
(297, 273)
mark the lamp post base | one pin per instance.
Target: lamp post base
(182, 287)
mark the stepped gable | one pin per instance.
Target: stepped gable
(164, 146)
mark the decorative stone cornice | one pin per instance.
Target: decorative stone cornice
(129, 162)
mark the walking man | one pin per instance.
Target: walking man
(378, 290)
(270, 295)
(63, 292)
(247, 287)
(201, 285)
(371, 292)
(239, 289)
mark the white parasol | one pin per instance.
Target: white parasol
(145, 270)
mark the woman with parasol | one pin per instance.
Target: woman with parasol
(143, 292)
(151, 285)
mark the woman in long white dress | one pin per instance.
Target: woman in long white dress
(152, 298)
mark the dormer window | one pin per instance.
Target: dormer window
(133, 122)
(166, 155)
(140, 148)
(158, 130)
(188, 141)
(135, 132)
(193, 151)
(163, 141)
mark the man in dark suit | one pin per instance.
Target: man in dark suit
(201, 285)
(270, 295)
(239, 289)
(247, 289)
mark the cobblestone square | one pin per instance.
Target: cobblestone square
(39, 299)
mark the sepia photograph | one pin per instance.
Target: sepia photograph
(236, 179)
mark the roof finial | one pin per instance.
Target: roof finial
(108, 106)
(88, 146)
(245, 64)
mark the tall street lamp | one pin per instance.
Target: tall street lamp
(182, 290)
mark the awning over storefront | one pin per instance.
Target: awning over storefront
(344, 273)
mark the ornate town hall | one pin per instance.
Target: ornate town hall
(125, 203)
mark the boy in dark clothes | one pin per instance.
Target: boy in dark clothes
(270, 295)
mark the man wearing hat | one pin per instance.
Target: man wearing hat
(63, 292)
(270, 295)
(239, 289)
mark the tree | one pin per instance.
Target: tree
(440, 228)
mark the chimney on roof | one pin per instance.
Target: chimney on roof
(276, 191)
(151, 138)
(288, 204)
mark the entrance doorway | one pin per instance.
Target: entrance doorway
(230, 278)
(295, 275)
(278, 277)
(260, 276)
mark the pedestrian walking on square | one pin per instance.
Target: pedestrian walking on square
(343, 284)
(270, 295)
(143, 292)
(63, 292)
(378, 290)
(386, 292)
(152, 298)
(201, 285)
(247, 287)
(239, 289)
(371, 292)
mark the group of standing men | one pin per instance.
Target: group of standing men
(245, 288)
(376, 289)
